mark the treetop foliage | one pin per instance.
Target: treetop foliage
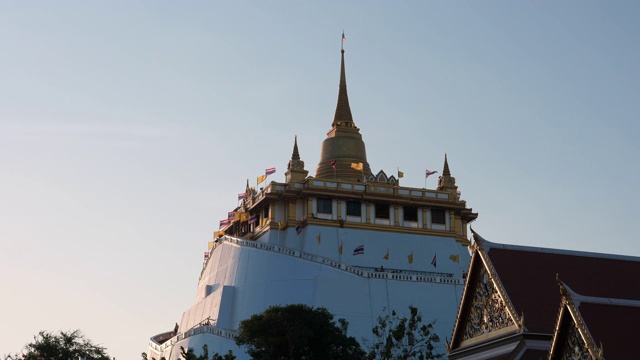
(295, 332)
(65, 345)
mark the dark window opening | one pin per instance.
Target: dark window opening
(325, 206)
(265, 213)
(354, 208)
(437, 216)
(382, 211)
(410, 213)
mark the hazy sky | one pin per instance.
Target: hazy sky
(128, 128)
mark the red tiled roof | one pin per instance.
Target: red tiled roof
(529, 278)
(532, 354)
(613, 326)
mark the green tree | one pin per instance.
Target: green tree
(403, 339)
(297, 332)
(61, 346)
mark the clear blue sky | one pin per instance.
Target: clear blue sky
(128, 128)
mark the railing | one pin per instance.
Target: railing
(368, 272)
(210, 329)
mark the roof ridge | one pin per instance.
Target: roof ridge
(487, 245)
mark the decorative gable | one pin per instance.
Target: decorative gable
(572, 339)
(574, 346)
(487, 310)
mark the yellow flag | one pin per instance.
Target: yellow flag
(261, 179)
(455, 258)
(281, 224)
(218, 233)
(400, 174)
(357, 166)
(318, 238)
(211, 245)
(236, 217)
(340, 248)
(410, 258)
(386, 257)
(244, 216)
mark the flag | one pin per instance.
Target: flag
(333, 164)
(206, 255)
(281, 224)
(459, 192)
(410, 257)
(217, 234)
(211, 245)
(343, 37)
(244, 216)
(231, 214)
(225, 222)
(359, 250)
(400, 174)
(429, 173)
(318, 238)
(357, 166)
(433, 262)
(241, 196)
(298, 229)
(236, 217)
(270, 171)
(253, 219)
(261, 178)
(386, 257)
(455, 258)
(340, 248)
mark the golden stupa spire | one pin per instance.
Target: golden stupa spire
(343, 155)
(343, 110)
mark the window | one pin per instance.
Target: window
(354, 208)
(265, 213)
(324, 206)
(382, 211)
(437, 216)
(410, 213)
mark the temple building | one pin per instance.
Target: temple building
(532, 303)
(348, 238)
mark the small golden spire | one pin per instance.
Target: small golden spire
(296, 154)
(445, 171)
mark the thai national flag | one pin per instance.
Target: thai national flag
(429, 173)
(241, 196)
(433, 262)
(333, 163)
(231, 214)
(270, 171)
(298, 229)
(359, 250)
(253, 219)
